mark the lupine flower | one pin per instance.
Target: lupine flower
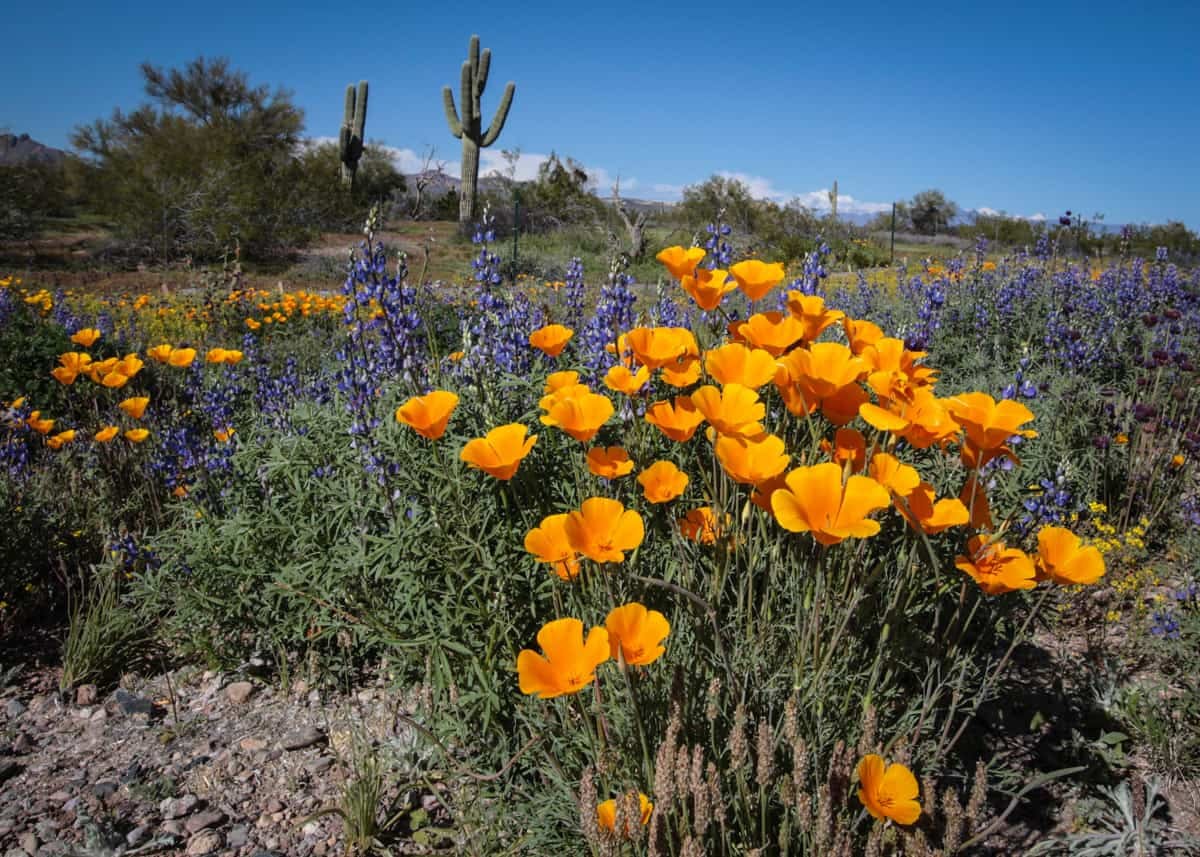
(662, 482)
(1064, 560)
(708, 287)
(734, 410)
(996, 568)
(106, 434)
(428, 415)
(815, 501)
(620, 380)
(603, 529)
(635, 634)
(569, 661)
(548, 543)
(551, 339)
(810, 311)
(86, 337)
(680, 262)
(136, 435)
(701, 526)
(609, 462)
(677, 421)
(56, 441)
(734, 363)
(134, 407)
(500, 452)
(756, 279)
(888, 791)
(606, 816)
(751, 461)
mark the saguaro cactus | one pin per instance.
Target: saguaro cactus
(833, 197)
(350, 140)
(469, 128)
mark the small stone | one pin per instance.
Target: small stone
(178, 807)
(239, 692)
(311, 829)
(238, 836)
(174, 827)
(104, 789)
(253, 745)
(138, 835)
(205, 842)
(131, 704)
(320, 849)
(100, 715)
(14, 709)
(29, 842)
(86, 694)
(59, 796)
(303, 738)
(204, 820)
(274, 805)
(321, 763)
(23, 744)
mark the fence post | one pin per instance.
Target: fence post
(892, 260)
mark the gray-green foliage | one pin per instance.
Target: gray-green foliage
(353, 132)
(105, 634)
(1129, 821)
(469, 126)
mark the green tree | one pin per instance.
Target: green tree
(931, 212)
(322, 198)
(701, 202)
(209, 163)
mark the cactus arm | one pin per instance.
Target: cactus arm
(481, 74)
(473, 54)
(348, 113)
(498, 120)
(360, 112)
(451, 113)
(470, 101)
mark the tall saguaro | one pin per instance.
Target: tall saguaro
(470, 128)
(350, 140)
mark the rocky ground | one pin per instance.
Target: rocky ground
(190, 762)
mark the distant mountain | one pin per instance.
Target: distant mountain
(17, 150)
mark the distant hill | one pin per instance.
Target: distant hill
(17, 150)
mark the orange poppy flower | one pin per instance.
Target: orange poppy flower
(752, 461)
(810, 311)
(861, 333)
(680, 262)
(86, 337)
(636, 634)
(1061, 558)
(927, 514)
(134, 407)
(233, 356)
(701, 525)
(761, 495)
(161, 353)
(849, 447)
(500, 452)
(606, 815)
(551, 339)
(975, 499)
(662, 482)
(548, 543)
(38, 424)
(580, 416)
(620, 380)
(996, 568)
(64, 375)
(555, 381)
(603, 529)
(732, 410)
(734, 363)
(137, 435)
(823, 376)
(888, 791)
(771, 331)
(683, 372)
(428, 415)
(73, 364)
(97, 369)
(223, 435)
(569, 663)
(114, 380)
(129, 365)
(922, 422)
(106, 434)
(655, 347)
(815, 501)
(898, 478)
(181, 357)
(895, 370)
(253, 324)
(708, 287)
(56, 441)
(987, 423)
(609, 462)
(679, 421)
(215, 355)
(756, 279)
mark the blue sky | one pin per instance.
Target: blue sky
(1027, 108)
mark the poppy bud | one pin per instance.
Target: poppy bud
(1172, 314)
(1149, 319)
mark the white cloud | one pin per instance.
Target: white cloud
(987, 212)
(1038, 218)
(759, 187)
